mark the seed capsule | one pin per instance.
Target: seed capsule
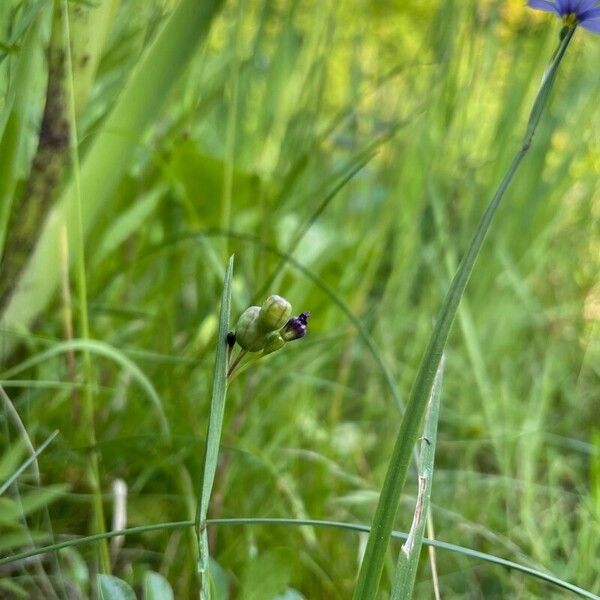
(274, 342)
(274, 313)
(248, 332)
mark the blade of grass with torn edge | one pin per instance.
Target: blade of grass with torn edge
(213, 435)
(372, 565)
(408, 559)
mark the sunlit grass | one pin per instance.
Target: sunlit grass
(344, 153)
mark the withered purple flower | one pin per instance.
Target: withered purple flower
(296, 327)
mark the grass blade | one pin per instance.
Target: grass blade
(385, 513)
(408, 559)
(111, 153)
(346, 177)
(16, 113)
(106, 350)
(215, 425)
(245, 521)
(30, 460)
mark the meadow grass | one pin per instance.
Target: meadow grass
(344, 153)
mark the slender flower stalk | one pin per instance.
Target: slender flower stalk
(235, 363)
(257, 331)
(385, 513)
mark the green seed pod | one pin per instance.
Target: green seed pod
(274, 343)
(275, 313)
(248, 333)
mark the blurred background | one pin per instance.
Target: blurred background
(344, 152)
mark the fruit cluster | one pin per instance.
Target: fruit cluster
(267, 328)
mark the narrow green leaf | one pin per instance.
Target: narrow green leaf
(128, 223)
(11, 589)
(220, 580)
(24, 537)
(113, 588)
(408, 559)
(31, 459)
(262, 521)
(101, 349)
(29, 13)
(75, 569)
(111, 153)
(17, 113)
(89, 25)
(215, 421)
(383, 520)
(156, 587)
(14, 510)
(355, 166)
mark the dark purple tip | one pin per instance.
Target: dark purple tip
(296, 327)
(303, 318)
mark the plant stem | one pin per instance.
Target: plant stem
(26, 221)
(235, 363)
(88, 424)
(385, 513)
(283, 522)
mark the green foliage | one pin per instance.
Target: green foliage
(156, 587)
(267, 575)
(370, 573)
(408, 557)
(215, 421)
(113, 588)
(344, 152)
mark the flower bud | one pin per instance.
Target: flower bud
(275, 313)
(248, 333)
(296, 327)
(274, 342)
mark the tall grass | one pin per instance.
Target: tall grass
(344, 154)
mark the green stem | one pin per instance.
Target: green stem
(385, 513)
(213, 434)
(249, 521)
(88, 425)
(235, 363)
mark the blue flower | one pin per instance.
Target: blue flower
(573, 12)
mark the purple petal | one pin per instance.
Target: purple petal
(543, 5)
(580, 6)
(592, 13)
(564, 7)
(591, 25)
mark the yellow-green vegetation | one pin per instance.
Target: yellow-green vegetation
(344, 152)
